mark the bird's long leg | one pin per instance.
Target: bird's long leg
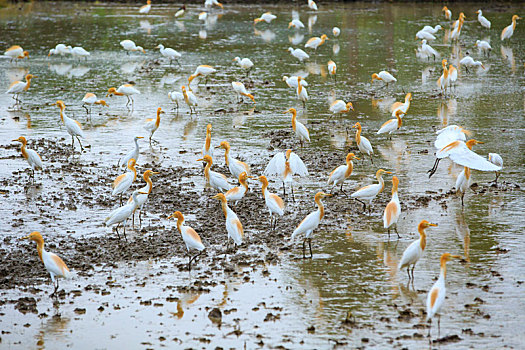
(87, 110)
(364, 204)
(116, 229)
(80, 143)
(304, 248)
(310, 246)
(413, 267)
(189, 258)
(284, 190)
(371, 159)
(140, 217)
(397, 233)
(120, 199)
(429, 328)
(462, 203)
(496, 180)
(73, 143)
(408, 272)
(439, 321)
(133, 219)
(389, 233)
(434, 168)
(293, 197)
(124, 225)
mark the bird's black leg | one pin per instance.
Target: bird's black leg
(304, 248)
(434, 168)
(310, 246)
(397, 233)
(80, 143)
(408, 272)
(116, 229)
(293, 196)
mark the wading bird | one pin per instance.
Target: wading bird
(299, 54)
(123, 182)
(423, 34)
(450, 134)
(190, 99)
(145, 8)
(339, 106)
(415, 250)
(210, 3)
(301, 132)
(315, 42)
(176, 97)
(332, 69)
(273, 202)
(207, 149)
(432, 30)
(180, 12)
(124, 90)
(496, 159)
(483, 46)
(237, 193)
(342, 172)
(142, 197)
(293, 81)
(392, 125)
(277, 165)
(447, 13)
(79, 52)
(91, 99)
(336, 31)
(362, 142)
(311, 222)
(461, 153)
(214, 179)
(436, 294)
(296, 23)
(463, 183)
(458, 25)
(121, 215)
(244, 63)
(52, 262)
(19, 87)
(73, 127)
(233, 224)
(235, 166)
(16, 51)
(393, 209)
(312, 5)
(302, 94)
(266, 17)
(368, 193)
(169, 53)
(60, 49)
(33, 159)
(153, 124)
(202, 70)
(241, 91)
(133, 154)
(508, 31)
(130, 46)
(443, 82)
(427, 50)
(403, 106)
(386, 77)
(482, 20)
(468, 61)
(190, 237)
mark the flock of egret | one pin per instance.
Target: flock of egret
(450, 142)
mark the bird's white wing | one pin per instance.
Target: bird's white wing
(309, 222)
(297, 166)
(462, 155)
(276, 165)
(448, 135)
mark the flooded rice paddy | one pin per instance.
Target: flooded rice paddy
(139, 294)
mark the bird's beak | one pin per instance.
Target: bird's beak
(388, 172)
(140, 137)
(480, 142)
(155, 172)
(35, 76)
(328, 195)
(157, 46)
(482, 66)
(26, 237)
(435, 225)
(15, 140)
(162, 112)
(252, 177)
(107, 95)
(169, 217)
(200, 160)
(456, 256)
(217, 146)
(357, 158)
(143, 192)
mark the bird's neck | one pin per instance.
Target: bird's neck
(349, 168)
(224, 206)
(244, 184)
(28, 83)
(40, 249)
(294, 122)
(321, 208)
(264, 187)
(207, 143)
(62, 114)
(422, 239)
(132, 168)
(443, 272)
(157, 122)
(513, 23)
(445, 72)
(207, 171)
(467, 173)
(227, 156)
(185, 96)
(299, 87)
(150, 184)
(287, 170)
(180, 221)
(24, 152)
(399, 120)
(358, 135)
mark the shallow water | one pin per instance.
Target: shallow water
(267, 304)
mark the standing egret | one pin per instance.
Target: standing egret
(124, 90)
(176, 97)
(266, 17)
(443, 82)
(207, 149)
(244, 63)
(482, 20)
(241, 91)
(145, 8)
(385, 76)
(79, 52)
(153, 124)
(91, 99)
(273, 202)
(235, 166)
(73, 127)
(370, 192)
(315, 42)
(237, 193)
(215, 180)
(403, 106)
(233, 224)
(436, 294)
(342, 172)
(18, 87)
(311, 222)
(509, 30)
(496, 159)
(483, 46)
(293, 81)
(415, 250)
(130, 46)
(296, 23)
(432, 30)
(336, 31)
(312, 5)
(123, 182)
(190, 99)
(143, 196)
(133, 154)
(299, 54)
(190, 237)
(447, 13)
(339, 106)
(463, 183)
(169, 53)
(52, 262)
(393, 209)
(121, 215)
(202, 70)
(468, 61)
(392, 125)
(33, 159)
(301, 132)
(332, 69)
(362, 142)
(277, 165)
(15, 52)
(427, 50)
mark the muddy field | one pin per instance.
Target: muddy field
(138, 293)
